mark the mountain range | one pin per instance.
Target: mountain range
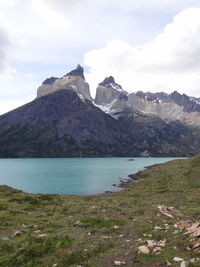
(64, 121)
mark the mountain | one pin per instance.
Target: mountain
(61, 124)
(168, 107)
(64, 121)
(158, 137)
(108, 91)
(74, 79)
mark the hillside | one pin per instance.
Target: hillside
(58, 230)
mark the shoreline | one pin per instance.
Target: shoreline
(133, 178)
(123, 184)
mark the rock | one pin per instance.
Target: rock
(106, 237)
(177, 259)
(168, 263)
(182, 224)
(119, 263)
(194, 230)
(193, 227)
(184, 264)
(194, 260)
(158, 228)
(175, 232)
(196, 245)
(54, 265)
(143, 249)
(42, 235)
(150, 243)
(161, 243)
(4, 238)
(157, 244)
(161, 228)
(165, 210)
(17, 233)
(37, 231)
(116, 227)
(157, 249)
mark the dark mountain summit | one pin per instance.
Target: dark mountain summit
(108, 91)
(50, 80)
(189, 104)
(110, 82)
(77, 72)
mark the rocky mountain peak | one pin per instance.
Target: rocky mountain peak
(79, 71)
(74, 80)
(108, 92)
(189, 104)
(109, 82)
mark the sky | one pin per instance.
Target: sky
(148, 45)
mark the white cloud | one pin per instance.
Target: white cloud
(56, 12)
(49, 37)
(6, 3)
(16, 89)
(10, 104)
(171, 61)
(4, 44)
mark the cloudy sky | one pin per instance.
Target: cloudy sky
(149, 45)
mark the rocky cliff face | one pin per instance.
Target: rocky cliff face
(73, 80)
(108, 92)
(169, 107)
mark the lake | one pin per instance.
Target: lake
(79, 176)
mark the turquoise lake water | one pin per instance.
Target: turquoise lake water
(82, 176)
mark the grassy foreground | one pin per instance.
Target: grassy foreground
(57, 230)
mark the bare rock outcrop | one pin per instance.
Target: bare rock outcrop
(74, 80)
